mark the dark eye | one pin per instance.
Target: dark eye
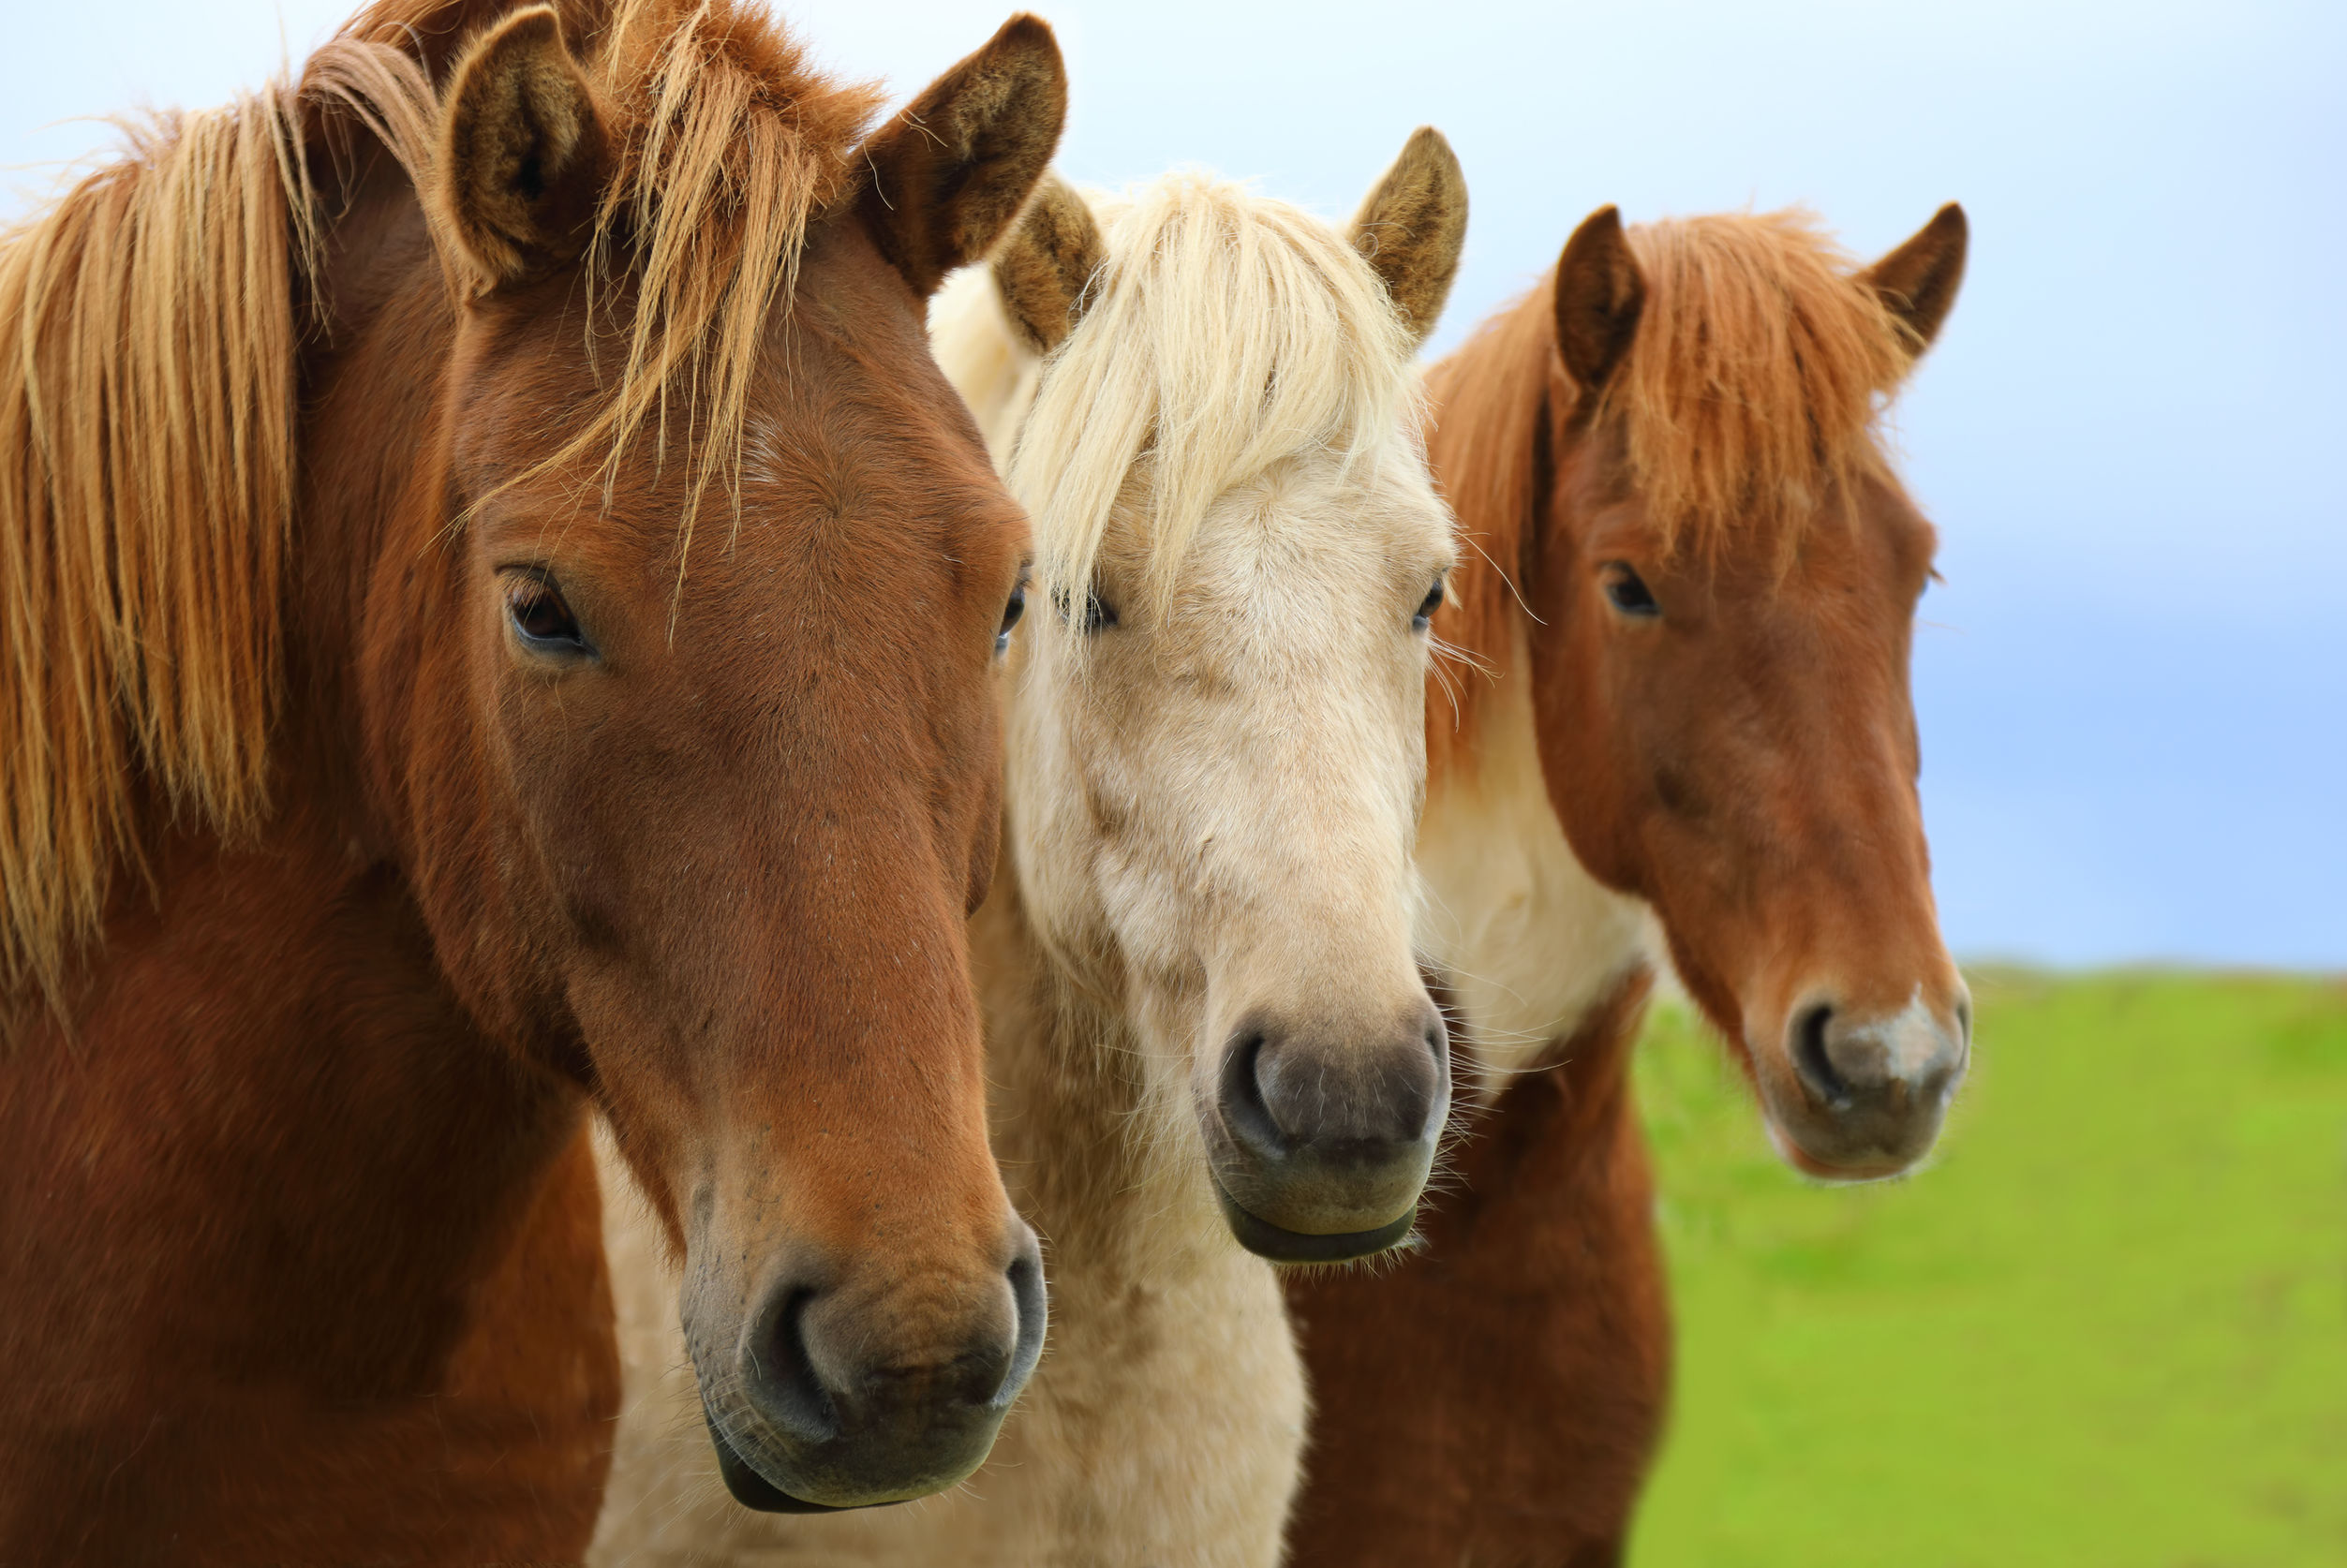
(1099, 614)
(543, 620)
(1012, 611)
(1628, 593)
(1431, 602)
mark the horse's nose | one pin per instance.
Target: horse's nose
(1326, 1134)
(855, 1399)
(1877, 1083)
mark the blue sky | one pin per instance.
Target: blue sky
(2133, 434)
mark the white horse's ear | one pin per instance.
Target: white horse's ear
(1046, 265)
(1918, 282)
(521, 151)
(1412, 227)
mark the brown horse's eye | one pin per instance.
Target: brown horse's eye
(1012, 613)
(1431, 602)
(1627, 592)
(542, 619)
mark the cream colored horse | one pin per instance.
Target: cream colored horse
(1205, 1028)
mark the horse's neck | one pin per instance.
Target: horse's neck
(1073, 1123)
(322, 1131)
(307, 1171)
(988, 361)
(1530, 941)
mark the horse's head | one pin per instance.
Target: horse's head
(692, 734)
(1723, 578)
(1217, 748)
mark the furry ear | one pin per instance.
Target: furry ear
(1043, 267)
(521, 151)
(1918, 281)
(1411, 226)
(951, 173)
(1600, 294)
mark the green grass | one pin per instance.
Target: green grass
(2107, 1328)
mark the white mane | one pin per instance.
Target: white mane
(1225, 332)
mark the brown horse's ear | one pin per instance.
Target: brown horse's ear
(951, 173)
(1918, 281)
(1599, 294)
(1044, 267)
(521, 151)
(1411, 226)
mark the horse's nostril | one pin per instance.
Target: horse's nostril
(1245, 1113)
(1811, 1057)
(1029, 1301)
(785, 1387)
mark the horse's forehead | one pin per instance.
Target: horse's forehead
(1876, 531)
(1314, 515)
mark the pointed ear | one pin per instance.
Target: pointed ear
(1599, 294)
(521, 151)
(1918, 282)
(1045, 266)
(1411, 227)
(951, 173)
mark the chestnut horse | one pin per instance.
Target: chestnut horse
(499, 608)
(1700, 587)
(1206, 1026)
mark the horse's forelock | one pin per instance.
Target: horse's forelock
(728, 144)
(1230, 331)
(1751, 393)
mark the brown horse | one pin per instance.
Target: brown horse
(1698, 604)
(499, 609)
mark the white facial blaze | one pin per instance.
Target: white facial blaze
(1529, 941)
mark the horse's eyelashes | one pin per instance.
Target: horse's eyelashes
(543, 617)
(1099, 614)
(1012, 613)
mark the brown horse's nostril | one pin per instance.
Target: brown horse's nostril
(782, 1383)
(1812, 1060)
(1026, 1298)
(1854, 1065)
(839, 1383)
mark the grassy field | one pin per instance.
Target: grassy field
(2106, 1329)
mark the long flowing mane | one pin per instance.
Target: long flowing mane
(149, 336)
(1750, 406)
(1230, 330)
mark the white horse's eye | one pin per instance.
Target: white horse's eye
(1433, 601)
(1099, 614)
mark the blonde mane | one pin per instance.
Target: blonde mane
(1228, 330)
(1750, 406)
(147, 342)
(148, 364)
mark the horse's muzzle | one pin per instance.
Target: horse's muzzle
(1320, 1140)
(822, 1409)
